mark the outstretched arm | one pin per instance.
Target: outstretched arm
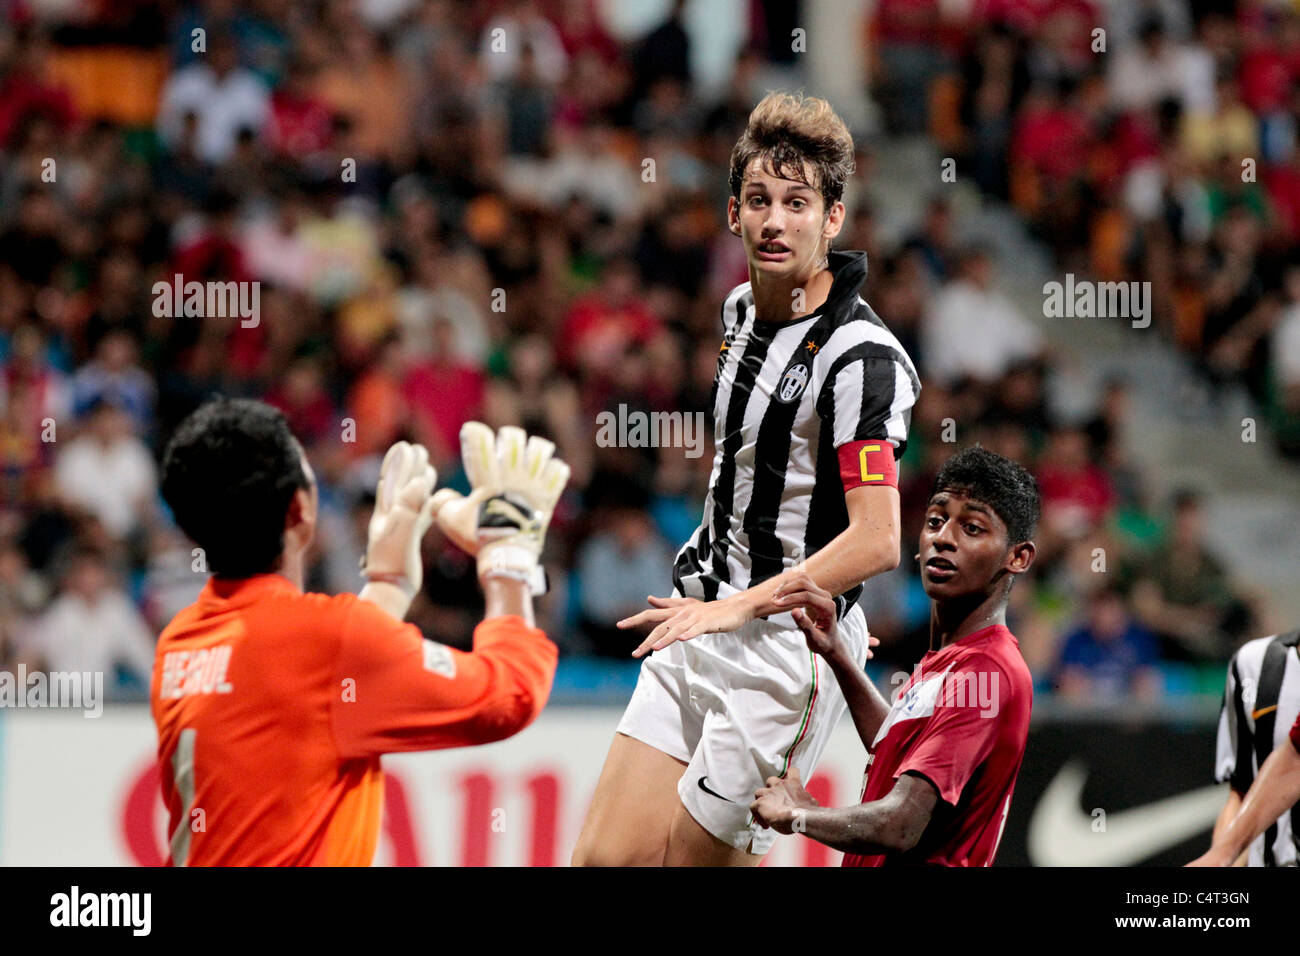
(867, 547)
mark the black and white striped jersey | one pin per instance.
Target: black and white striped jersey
(1252, 698)
(785, 396)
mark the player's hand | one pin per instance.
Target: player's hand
(515, 482)
(779, 804)
(402, 514)
(681, 619)
(660, 610)
(813, 610)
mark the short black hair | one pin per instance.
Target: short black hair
(997, 481)
(228, 474)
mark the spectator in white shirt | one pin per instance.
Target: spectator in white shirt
(1156, 68)
(92, 627)
(973, 330)
(224, 97)
(505, 36)
(108, 471)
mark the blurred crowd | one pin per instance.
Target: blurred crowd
(1145, 140)
(450, 215)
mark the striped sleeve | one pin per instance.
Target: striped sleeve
(1233, 761)
(868, 393)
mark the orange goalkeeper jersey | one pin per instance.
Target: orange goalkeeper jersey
(273, 706)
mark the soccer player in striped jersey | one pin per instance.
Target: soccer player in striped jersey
(1261, 708)
(1275, 791)
(812, 400)
(944, 757)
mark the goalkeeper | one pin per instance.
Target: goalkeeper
(272, 705)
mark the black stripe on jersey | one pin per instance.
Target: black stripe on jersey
(724, 491)
(828, 513)
(1243, 774)
(688, 561)
(772, 460)
(706, 546)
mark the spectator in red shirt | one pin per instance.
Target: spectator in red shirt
(600, 327)
(581, 31)
(214, 253)
(301, 123)
(1053, 135)
(25, 91)
(444, 393)
(1077, 493)
(306, 405)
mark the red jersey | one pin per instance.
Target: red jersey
(1295, 733)
(273, 707)
(961, 722)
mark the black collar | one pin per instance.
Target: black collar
(849, 267)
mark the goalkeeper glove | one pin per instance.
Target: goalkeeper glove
(515, 482)
(403, 512)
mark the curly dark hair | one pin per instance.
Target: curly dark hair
(228, 474)
(1002, 484)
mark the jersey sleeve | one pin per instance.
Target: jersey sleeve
(397, 691)
(1233, 755)
(961, 734)
(868, 395)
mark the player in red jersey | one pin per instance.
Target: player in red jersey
(1275, 790)
(944, 757)
(272, 705)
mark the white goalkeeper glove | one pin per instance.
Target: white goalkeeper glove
(403, 512)
(515, 482)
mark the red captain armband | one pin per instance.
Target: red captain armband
(867, 463)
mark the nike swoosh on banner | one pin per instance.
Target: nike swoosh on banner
(1061, 834)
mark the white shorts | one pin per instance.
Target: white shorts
(737, 708)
